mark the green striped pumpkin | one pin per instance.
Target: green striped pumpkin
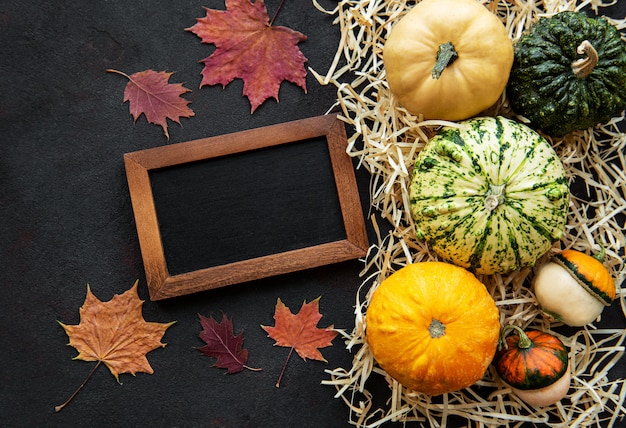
(490, 196)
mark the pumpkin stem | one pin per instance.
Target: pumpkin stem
(436, 329)
(600, 256)
(524, 341)
(494, 196)
(446, 55)
(584, 66)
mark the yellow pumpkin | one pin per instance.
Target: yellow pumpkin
(433, 327)
(448, 59)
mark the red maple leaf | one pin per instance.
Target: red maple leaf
(300, 331)
(249, 47)
(148, 92)
(222, 344)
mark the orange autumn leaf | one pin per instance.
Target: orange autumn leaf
(115, 333)
(300, 332)
(251, 48)
(148, 92)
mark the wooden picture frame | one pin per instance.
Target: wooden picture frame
(140, 164)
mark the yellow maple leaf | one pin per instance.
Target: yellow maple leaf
(116, 334)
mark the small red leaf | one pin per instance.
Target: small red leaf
(222, 344)
(148, 92)
(248, 47)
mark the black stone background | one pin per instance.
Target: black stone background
(66, 221)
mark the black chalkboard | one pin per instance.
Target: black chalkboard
(247, 205)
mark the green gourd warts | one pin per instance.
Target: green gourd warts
(568, 73)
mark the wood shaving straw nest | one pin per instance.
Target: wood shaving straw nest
(385, 140)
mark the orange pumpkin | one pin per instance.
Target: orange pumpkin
(433, 327)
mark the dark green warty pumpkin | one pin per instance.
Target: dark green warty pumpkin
(569, 73)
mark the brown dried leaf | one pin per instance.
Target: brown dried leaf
(115, 333)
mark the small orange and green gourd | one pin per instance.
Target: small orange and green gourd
(535, 364)
(574, 287)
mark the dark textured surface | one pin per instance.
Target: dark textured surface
(66, 221)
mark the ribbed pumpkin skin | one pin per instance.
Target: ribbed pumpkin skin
(402, 310)
(543, 87)
(457, 178)
(538, 366)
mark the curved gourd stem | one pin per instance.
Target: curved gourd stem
(494, 196)
(524, 341)
(584, 66)
(446, 55)
(600, 256)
